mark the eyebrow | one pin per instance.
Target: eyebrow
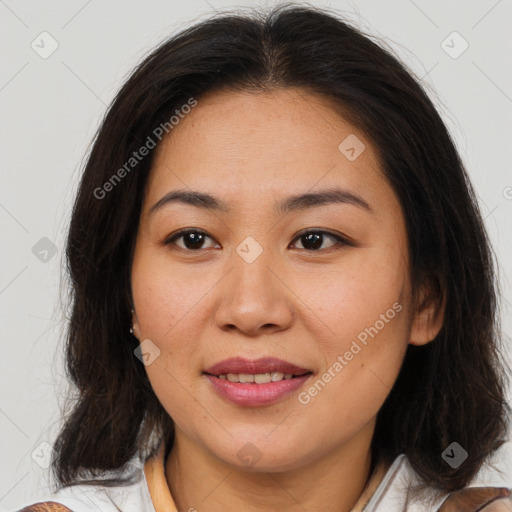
(290, 204)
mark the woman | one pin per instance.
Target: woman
(284, 294)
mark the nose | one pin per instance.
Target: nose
(254, 299)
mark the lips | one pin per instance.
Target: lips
(239, 365)
(264, 381)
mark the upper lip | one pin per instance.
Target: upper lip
(262, 365)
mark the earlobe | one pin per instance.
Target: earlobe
(429, 317)
(134, 329)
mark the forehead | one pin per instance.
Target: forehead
(245, 145)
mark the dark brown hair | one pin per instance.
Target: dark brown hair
(451, 389)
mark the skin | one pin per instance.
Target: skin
(200, 306)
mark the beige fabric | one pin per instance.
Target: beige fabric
(157, 484)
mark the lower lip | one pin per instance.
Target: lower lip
(254, 395)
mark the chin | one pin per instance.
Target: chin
(264, 455)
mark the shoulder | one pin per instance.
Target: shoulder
(46, 506)
(394, 493)
(130, 492)
(485, 499)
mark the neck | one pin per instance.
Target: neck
(199, 480)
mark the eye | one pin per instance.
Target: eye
(193, 239)
(313, 240)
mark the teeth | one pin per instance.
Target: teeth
(262, 378)
(259, 378)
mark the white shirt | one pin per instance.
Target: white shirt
(390, 495)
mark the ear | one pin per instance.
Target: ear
(429, 315)
(135, 324)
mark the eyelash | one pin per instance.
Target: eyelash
(340, 240)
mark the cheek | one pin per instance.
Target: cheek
(362, 317)
(361, 364)
(353, 295)
(166, 302)
(166, 297)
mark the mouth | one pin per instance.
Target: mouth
(256, 383)
(258, 378)
(260, 371)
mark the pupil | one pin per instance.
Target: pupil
(316, 238)
(196, 238)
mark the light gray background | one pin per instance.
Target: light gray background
(50, 109)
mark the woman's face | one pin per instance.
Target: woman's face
(248, 283)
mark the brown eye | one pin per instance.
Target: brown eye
(314, 240)
(193, 239)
